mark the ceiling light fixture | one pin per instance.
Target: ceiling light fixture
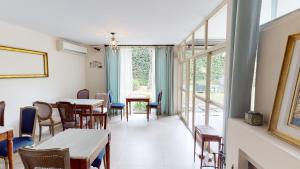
(113, 44)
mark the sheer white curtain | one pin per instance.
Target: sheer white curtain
(153, 90)
(125, 72)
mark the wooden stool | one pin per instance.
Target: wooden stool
(206, 134)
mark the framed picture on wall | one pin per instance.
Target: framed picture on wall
(285, 119)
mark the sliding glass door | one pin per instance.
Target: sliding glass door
(202, 61)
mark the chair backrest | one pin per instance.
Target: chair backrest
(66, 111)
(27, 121)
(110, 97)
(47, 158)
(44, 110)
(159, 97)
(103, 96)
(83, 94)
(2, 108)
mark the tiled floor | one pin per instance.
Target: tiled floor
(138, 144)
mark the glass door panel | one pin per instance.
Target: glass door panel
(183, 105)
(200, 76)
(191, 95)
(217, 78)
(216, 116)
(199, 112)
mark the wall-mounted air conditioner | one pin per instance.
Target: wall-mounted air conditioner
(67, 46)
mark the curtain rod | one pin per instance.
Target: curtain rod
(142, 45)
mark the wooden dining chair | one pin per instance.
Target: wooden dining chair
(104, 97)
(45, 118)
(2, 108)
(46, 158)
(26, 133)
(83, 94)
(156, 105)
(67, 115)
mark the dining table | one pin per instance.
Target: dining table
(137, 98)
(84, 105)
(6, 134)
(84, 146)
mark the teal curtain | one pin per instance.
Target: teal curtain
(113, 73)
(164, 77)
(241, 53)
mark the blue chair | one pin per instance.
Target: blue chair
(26, 133)
(156, 105)
(115, 106)
(97, 162)
(2, 108)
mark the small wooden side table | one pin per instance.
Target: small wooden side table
(137, 99)
(206, 134)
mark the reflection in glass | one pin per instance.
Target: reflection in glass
(184, 69)
(217, 27)
(191, 83)
(286, 6)
(183, 105)
(200, 76)
(265, 11)
(188, 47)
(217, 78)
(199, 112)
(190, 111)
(199, 40)
(216, 115)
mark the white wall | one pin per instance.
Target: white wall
(268, 152)
(66, 73)
(272, 45)
(96, 77)
(262, 149)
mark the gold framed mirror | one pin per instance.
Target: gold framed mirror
(22, 63)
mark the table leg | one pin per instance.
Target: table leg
(107, 155)
(148, 111)
(195, 137)
(81, 120)
(79, 164)
(130, 108)
(202, 150)
(127, 110)
(10, 152)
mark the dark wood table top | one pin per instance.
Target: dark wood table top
(138, 98)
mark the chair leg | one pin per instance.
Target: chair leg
(6, 162)
(104, 162)
(40, 136)
(157, 112)
(52, 130)
(121, 114)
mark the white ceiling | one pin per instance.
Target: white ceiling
(91, 21)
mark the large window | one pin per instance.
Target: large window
(202, 73)
(137, 74)
(200, 76)
(271, 9)
(217, 78)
